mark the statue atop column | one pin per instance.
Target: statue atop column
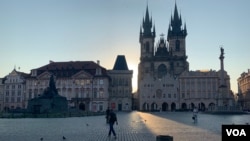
(221, 53)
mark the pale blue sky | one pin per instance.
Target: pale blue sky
(32, 32)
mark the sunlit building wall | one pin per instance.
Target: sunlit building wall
(201, 89)
(244, 90)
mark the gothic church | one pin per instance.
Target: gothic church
(164, 80)
(160, 66)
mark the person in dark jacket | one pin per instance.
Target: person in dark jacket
(107, 115)
(112, 121)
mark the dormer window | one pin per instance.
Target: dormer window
(98, 71)
(33, 72)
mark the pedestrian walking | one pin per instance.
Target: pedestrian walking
(195, 114)
(107, 115)
(112, 121)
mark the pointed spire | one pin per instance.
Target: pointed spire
(175, 27)
(176, 16)
(147, 25)
(185, 29)
(147, 20)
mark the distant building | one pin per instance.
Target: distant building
(14, 90)
(83, 83)
(86, 85)
(200, 88)
(244, 90)
(121, 85)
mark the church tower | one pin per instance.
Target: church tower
(177, 43)
(147, 37)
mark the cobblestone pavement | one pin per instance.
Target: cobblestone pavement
(132, 126)
(91, 128)
(180, 126)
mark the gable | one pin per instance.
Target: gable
(45, 75)
(13, 73)
(82, 75)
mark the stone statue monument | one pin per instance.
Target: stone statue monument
(49, 102)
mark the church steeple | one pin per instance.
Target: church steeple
(147, 37)
(146, 29)
(175, 26)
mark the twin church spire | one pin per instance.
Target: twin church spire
(175, 27)
(168, 56)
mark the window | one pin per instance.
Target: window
(183, 95)
(13, 93)
(147, 46)
(12, 99)
(159, 93)
(162, 70)
(19, 93)
(177, 45)
(126, 82)
(101, 82)
(7, 93)
(169, 95)
(19, 99)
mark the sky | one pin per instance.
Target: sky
(33, 32)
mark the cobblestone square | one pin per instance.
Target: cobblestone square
(132, 126)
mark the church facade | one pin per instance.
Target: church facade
(164, 80)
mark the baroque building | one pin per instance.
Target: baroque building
(14, 90)
(201, 89)
(86, 85)
(83, 83)
(120, 96)
(244, 90)
(164, 80)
